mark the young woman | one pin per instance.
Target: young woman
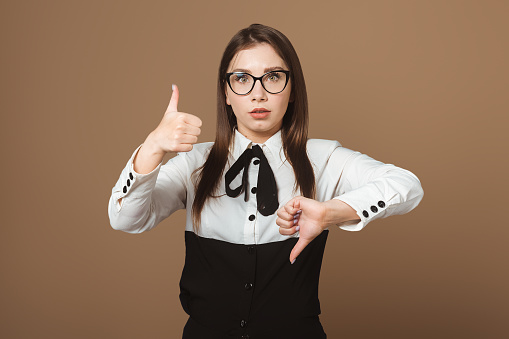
(259, 200)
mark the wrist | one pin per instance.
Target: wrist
(151, 146)
(339, 212)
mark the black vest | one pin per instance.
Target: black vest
(243, 291)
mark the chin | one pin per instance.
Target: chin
(263, 128)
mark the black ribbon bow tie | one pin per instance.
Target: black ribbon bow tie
(266, 192)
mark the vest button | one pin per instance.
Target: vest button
(251, 249)
(243, 323)
(248, 286)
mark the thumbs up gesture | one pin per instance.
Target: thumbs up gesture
(310, 217)
(177, 131)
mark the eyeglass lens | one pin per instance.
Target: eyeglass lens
(273, 82)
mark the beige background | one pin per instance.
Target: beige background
(420, 84)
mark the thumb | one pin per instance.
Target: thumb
(296, 204)
(298, 248)
(174, 100)
(292, 206)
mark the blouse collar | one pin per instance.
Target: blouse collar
(272, 147)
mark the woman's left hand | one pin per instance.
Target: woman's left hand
(304, 215)
(310, 218)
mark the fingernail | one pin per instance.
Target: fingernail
(297, 228)
(299, 211)
(172, 87)
(295, 221)
(295, 216)
(294, 260)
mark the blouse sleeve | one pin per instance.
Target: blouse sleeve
(372, 188)
(149, 198)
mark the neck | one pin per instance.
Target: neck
(258, 137)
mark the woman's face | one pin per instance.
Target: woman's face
(257, 61)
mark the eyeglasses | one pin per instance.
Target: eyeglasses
(273, 82)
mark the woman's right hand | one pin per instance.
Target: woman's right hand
(177, 131)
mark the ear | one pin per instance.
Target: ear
(227, 99)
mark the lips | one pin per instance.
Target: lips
(259, 113)
(259, 110)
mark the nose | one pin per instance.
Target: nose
(258, 93)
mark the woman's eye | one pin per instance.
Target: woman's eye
(273, 77)
(241, 78)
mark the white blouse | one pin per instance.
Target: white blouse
(374, 189)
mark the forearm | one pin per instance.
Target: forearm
(140, 201)
(147, 159)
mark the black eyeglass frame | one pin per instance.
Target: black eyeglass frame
(287, 73)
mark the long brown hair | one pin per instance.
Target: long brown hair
(294, 130)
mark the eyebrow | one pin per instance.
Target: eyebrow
(268, 69)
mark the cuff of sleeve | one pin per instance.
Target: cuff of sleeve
(367, 210)
(135, 184)
(141, 184)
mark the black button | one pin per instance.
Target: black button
(243, 323)
(381, 204)
(248, 286)
(256, 162)
(253, 190)
(252, 217)
(125, 189)
(128, 182)
(374, 209)
(131, 176)
(365, 213)
(245, 337)
(251, 249)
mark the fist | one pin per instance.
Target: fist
(177, 131)
(307, 216)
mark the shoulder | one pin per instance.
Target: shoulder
(321, 150)
(195, 157)
(315, 144)
(201, 149)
